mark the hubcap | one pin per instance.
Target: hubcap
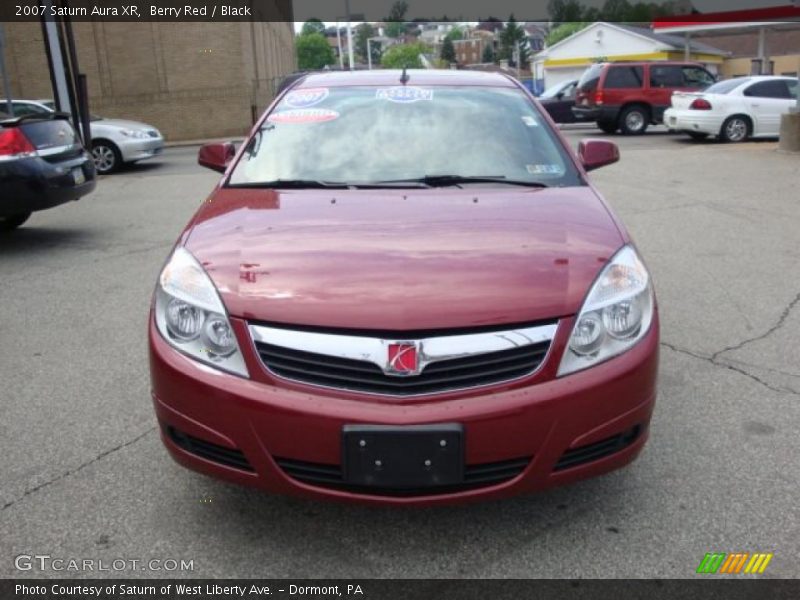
(634, 121)
(736, 130)
(104, 158)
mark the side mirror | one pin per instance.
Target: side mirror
(559, 95)
(597, 153)
(216, 157)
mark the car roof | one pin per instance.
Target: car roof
(655, 63)
(386, 77)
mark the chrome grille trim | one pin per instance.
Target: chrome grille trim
(372, 353)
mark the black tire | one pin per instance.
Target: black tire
(634, 120)
(607, 126)
(12, 222)
(107, 158)
(735, 129)
(697, 135)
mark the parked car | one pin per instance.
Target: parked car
(114, 141)
(42, 165)
(412, 321)
(631, 96)
(735, 109)
(558, 101)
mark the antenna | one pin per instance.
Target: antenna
(404, 76)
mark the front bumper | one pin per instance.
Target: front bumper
(135, 149)
(692, 120)
(248, 430)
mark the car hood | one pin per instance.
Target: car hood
(403, 260)
(120, 124)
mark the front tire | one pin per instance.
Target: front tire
(107, 158)
(634, 120)
(12, 222)
(735, 129)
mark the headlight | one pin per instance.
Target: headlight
(191, 317)
(616, 314)
(134, 133)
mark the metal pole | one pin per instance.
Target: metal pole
(369, 55)
(4, 74)
(762, 35)
(339, 41)
(349, 34)
(687, 46)
(54, 46)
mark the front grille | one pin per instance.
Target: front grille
(230, 457)
(598, 450)
(475, 476)
(363, 376)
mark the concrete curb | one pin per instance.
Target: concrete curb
(187, 143)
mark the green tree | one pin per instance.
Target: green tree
(565, 11)
(313, 26)
(395, 25)
(511, 38)
(488, 53)
(616, 11)
(448, 53)
(313, 52)
(363, 33)
(563, 31)
(404, 55)
(456, 33)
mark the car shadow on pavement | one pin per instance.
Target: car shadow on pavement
(33, 240)
(412, 542)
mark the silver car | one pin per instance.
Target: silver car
(114, 141)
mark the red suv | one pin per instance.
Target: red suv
(630, 96)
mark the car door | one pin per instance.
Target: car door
(766, 101)
(562, 105)
(664, 79)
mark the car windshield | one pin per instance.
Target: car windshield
(369, 135)
(723, 87)
(553, 90)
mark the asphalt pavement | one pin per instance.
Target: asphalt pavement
(84, 475)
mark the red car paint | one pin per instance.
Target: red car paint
(404, 260)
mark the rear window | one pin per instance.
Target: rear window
(724, 87)
(51, 133)
(623, 77)
(370, 135)
(769, 89)
(590, 77)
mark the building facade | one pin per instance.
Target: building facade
(191, 80)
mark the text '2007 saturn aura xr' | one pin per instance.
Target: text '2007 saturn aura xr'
(404, 290)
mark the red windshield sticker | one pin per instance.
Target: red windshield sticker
(305, 97)
(404, 94)
(303, 115)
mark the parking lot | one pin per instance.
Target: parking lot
(84, 474)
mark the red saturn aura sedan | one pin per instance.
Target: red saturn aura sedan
(404, 290)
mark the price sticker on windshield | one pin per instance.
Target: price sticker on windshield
(404, 94)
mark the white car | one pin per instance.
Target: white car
(734, 109)
(114, 141)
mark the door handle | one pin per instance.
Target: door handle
(755, 105)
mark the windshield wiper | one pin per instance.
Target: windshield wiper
(446, 180)
(294, 184)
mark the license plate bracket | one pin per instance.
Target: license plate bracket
(417, 456)
(78, 176)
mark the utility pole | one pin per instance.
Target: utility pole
(339, 42)
(4, 73)
(349, 34)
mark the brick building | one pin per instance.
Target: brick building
(191, 80)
